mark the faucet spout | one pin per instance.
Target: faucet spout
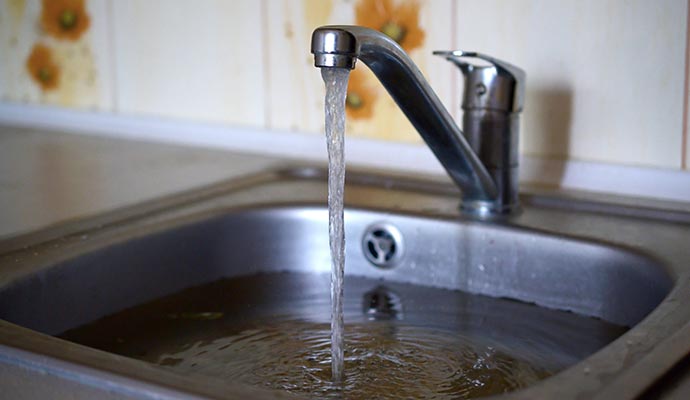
(341, 46)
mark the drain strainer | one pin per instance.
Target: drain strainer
(382, 245)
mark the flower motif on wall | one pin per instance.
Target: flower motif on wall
(400, 22)
(359, 103)
(64, 19)
(43, 68)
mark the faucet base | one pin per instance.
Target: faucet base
(489, 210)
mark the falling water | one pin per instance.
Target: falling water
(336, 90)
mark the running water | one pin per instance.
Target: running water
(336, 90)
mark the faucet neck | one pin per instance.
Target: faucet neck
(339, 46)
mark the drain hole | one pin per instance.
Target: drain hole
(391, 253)
(382, 245)
(372, 249)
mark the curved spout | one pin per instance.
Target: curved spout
(341, 46)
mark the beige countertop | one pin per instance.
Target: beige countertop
(52, 177)
(49, 177)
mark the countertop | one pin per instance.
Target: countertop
(48, 178)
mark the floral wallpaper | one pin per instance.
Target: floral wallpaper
(401, 23)
(371, 112)
(56, 49)
(50, 55)
(63, 20)
(42, 67)
(362, 93)
(248, 63)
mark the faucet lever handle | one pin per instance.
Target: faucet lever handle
(498, 86)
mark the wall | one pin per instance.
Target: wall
(607, 79)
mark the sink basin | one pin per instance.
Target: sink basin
(623, 264)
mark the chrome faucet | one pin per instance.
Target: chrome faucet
(483, 161)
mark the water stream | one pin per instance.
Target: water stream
(336, 90)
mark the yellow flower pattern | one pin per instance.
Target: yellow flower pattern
(360, 96)
(64, 19)
(42, 67)
(400, 22)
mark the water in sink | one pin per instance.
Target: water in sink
(403, 341)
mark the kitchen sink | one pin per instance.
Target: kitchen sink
(622, 261)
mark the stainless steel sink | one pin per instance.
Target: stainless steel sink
(624, 263)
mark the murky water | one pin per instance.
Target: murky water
(402, 340)
(336, 90)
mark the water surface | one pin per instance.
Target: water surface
(402, 340)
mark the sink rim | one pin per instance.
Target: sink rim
(358, 220)
(632, 381)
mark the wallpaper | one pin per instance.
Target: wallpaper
(607, 80)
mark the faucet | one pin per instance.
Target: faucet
(483, 161)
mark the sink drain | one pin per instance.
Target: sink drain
(382, 245)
